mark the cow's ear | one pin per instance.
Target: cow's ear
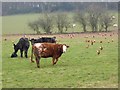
(14, 45)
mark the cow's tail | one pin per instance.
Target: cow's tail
(32, 54)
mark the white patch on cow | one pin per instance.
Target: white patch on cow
(44, 49)
(37, 45)
(64, 48)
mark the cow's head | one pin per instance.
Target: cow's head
(14, 54)
(65, 48)
(54, 38)
(32, 41)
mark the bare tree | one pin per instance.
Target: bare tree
(62, 22)
(106, 21)
(94, 12)
(93, 20)
(82, 19)
(46, 23)
(101, 24)
(67, 24)
(34, 26)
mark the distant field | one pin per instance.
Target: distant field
(78, 67)
(18, 24)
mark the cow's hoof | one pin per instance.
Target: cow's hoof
(26, 56)
(32, 61)
(38, 66)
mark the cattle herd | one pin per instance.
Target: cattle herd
(43, 47)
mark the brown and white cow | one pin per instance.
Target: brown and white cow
(45, 50)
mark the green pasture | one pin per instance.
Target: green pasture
(18, 24)
(78, 67)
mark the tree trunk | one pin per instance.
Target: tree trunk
(84, 28)
(38, 32)
(106, 28)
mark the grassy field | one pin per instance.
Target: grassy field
(17, 23)
(78, 67)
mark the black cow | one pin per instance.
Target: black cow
(22, 45)
(43, 40)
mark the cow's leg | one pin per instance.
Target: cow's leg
(26, 53)
(37, 61)
(32, 55)
(53, 61)
(56, 61)
(21, 51)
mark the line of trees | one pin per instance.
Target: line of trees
(11, 8)
(96, 17)
(48, 21)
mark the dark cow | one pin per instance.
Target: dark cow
(22, 45)
(43, 40)
(45, 50)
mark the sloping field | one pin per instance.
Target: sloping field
(17, 23)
